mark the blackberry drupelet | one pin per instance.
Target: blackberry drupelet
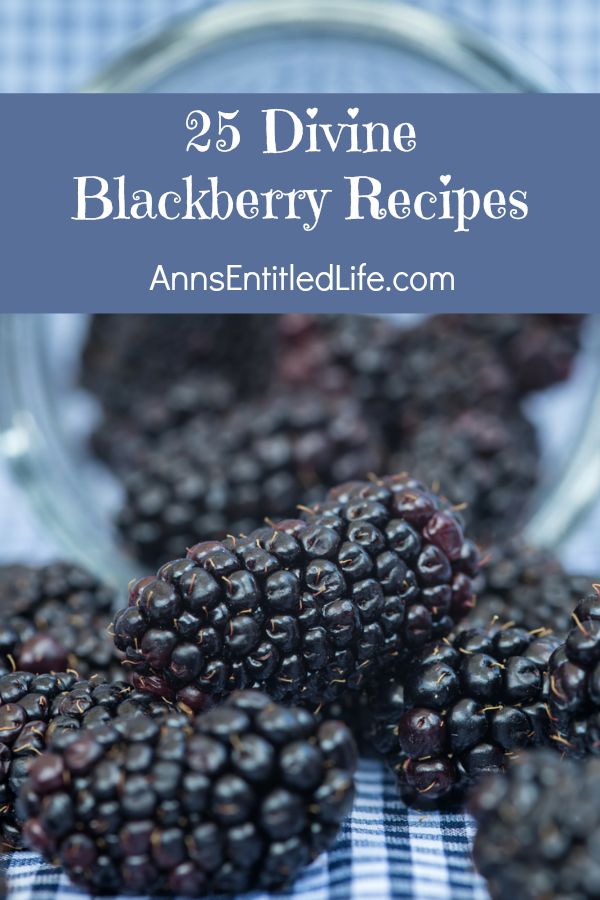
(465, 706)
(265, 458)
(525, 585)
(241, 798)
(539, 829)
(575, 682)
(306, 608)
(55, 617)
(487, 462)
(35, 709)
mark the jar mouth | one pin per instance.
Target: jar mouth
(66, 485)
(403, 30)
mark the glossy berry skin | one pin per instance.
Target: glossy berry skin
(308, 608)
(240, 798)
(37, 709)
(55, 617)
(575, 682)
(466, 704)
(539, 828)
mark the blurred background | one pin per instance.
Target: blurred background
(58, 45)
(62, 45)
(124, 438)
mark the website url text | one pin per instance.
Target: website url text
(333, 278)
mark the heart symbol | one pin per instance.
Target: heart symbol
(312, 111)
(353, 112)
(445, 178)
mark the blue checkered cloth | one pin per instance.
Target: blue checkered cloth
(57, 45)
(384, 850)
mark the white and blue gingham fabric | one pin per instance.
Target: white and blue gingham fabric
(384, 850)
(57, 45)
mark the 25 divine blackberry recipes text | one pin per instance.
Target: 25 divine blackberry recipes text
(207, 197)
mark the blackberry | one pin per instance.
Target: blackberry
(465, 706)
(575, 682)
(55, 617)
(539, 829)
(383, 708)
(307, 356)
(442, 367)
(122, 439)
(263, 459)
(128, 357)
(402, 377)
(36, 709)
(306, 608)
(525, 585)
(242, 798)
(486, 461)
(538, 349)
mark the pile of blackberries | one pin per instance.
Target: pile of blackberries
(192, 742)
(56, 617)
(539, 829)
(218, 767)
(211, 477)
(216, 422)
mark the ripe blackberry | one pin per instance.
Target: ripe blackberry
(128, 357)
(575, 682)
(539, 829)
(263, 459)
(466, 704)
(243, 798)
(122, 439)
(383, 708)
(538, 349)
(442, 367)
(35, 709)
(307, 609)
(407, 376)
(486, 461)
(525, 585)
(55, 617)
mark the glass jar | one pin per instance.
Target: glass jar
(259, 46)
(46, 418)
(319, 46)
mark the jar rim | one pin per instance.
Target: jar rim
(462, 50)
